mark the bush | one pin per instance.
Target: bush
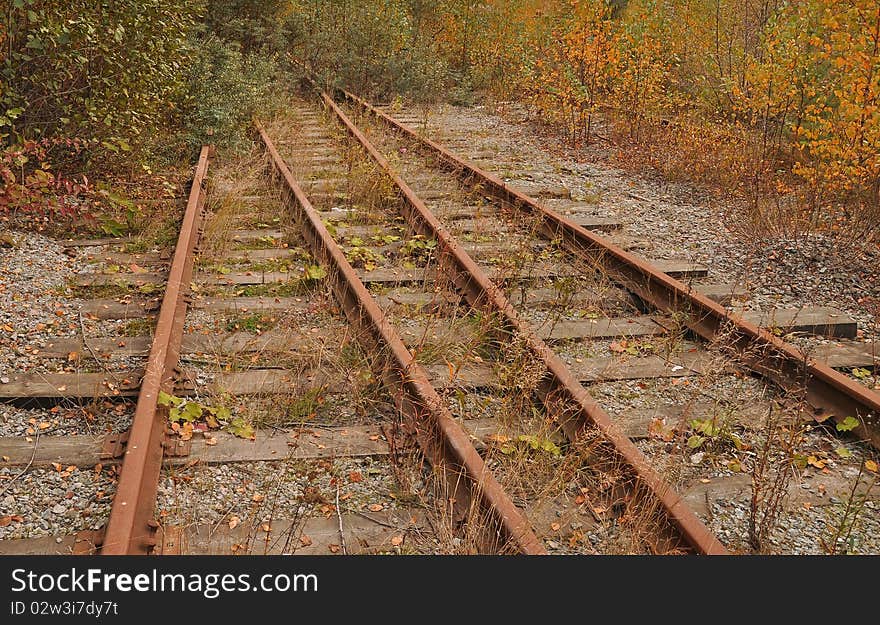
(103, 71)
(225, 88)
(30, 189)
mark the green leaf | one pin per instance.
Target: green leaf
(241, 428)
(540, 444)
(848, 424)
(315, 272)
(222, 413)
(706, 427)
(861, 373)
(192, 411)
(113, 227)
(167, 400)
(695, 441)
(843, 452)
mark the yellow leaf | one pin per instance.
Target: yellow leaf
(815, 462)
(871, 466)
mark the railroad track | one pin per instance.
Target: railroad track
(307, 483)
(414, 341)
(477, 208)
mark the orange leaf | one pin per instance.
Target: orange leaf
(333, 548)
(871, 466)
(354, 476)
(815, 462)
(305, 540)
(396, 540)
(376, 507)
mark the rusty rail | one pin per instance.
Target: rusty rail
(559, 390)
(131, 528)
(831, 393)
(440, 436)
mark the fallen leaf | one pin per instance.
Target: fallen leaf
(813, 461)
(257, 498)
(580, 499)
(374, 438)
(5, 520)
(617, 348)
(233, 522)
(345, 496)
(98, 468)
(555, 527)
(871, 466)
(305, 540)
(45, 425)
(73, 356)
(355, 477)
(6, 459)
(57, 466)
(376, 507)
(210, 441)
(396, 540)
(333, 548)
(266, 527)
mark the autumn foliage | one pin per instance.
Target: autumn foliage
(776, 101)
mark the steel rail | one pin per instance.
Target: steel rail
(131, 528)
(559, 390)
(830, 393)
(442, 439)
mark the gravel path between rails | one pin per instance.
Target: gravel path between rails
(49, 502)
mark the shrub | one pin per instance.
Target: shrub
(225, 88)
